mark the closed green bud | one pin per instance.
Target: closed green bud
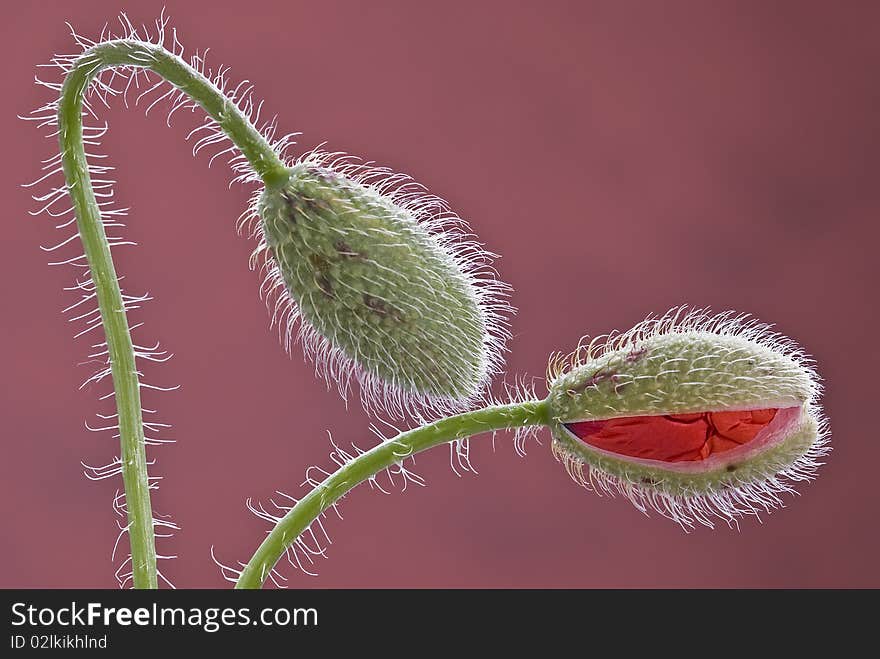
(692, 415)
(384, 286)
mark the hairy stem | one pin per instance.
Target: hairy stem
(132, 53)
(364, 467)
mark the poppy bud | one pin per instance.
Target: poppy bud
(384, 286)
(691, 415)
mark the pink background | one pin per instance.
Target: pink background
(623, 157)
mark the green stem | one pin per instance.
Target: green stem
(266, 163)
(364, 467)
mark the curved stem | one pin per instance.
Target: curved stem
(266, 163)
(364, 467)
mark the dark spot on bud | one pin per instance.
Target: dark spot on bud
(635, 355)
(320, 264)
(317, 206)
(324, 284)
(289, 202)
(599, 376)
(376, 305)
(647, 480)
(345, 250)
(324, 175)
(731, 468)
(381, 308)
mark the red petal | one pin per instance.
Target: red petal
(675, 437)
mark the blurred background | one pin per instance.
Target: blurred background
(623, 157)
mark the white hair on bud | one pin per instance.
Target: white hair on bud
(681, 320)
(698, 505)
(451, 235)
